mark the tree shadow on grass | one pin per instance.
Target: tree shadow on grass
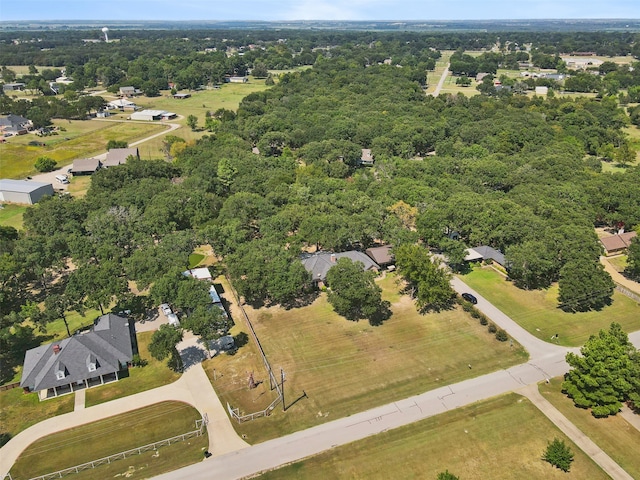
(383, 313)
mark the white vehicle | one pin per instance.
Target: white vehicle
(173, 320)
(166, 309)
(62, 179)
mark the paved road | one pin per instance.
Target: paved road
(193, 387)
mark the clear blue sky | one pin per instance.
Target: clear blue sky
(315, 9)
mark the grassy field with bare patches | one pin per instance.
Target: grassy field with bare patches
(346, 367)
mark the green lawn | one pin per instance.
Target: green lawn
(80, 139)
(11, 215)
(619, 262)
(19, 411)
(501, 438)
(195, 259)
(106, 437)
(153, 375)
(614, 435)
(346, 367)
(537, 312)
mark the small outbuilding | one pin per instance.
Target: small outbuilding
(201, 273)
(181, 96)
(23, 191)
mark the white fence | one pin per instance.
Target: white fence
(134, 451)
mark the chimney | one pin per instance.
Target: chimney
(333, 258)
(56, 349)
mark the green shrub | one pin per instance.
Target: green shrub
(484, 320)
(558, 455)
(492, 328)
(45, 164)
(501, 335)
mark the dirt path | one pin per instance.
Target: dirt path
(441, 81)
(605, 462)
(618, 277)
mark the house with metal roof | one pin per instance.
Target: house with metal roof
(23, 191)
(318, 264)
(84, 360)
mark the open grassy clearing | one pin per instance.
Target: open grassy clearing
(79, 185)
(619, 439)
(346, 367)
(90, 138)
(154, 374)
(105, 437)
(537, 311)
(501, 438)
(18, 411)
(619, 262)
(228, 96)
(11, 215)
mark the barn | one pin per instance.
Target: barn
(23, 191)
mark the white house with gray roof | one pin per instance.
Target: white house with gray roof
(318, 264)
(82, 361)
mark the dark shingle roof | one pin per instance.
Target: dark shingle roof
(318, 264)
(107, 346)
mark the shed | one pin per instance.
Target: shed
(366, 158)
(23, 191)
(147, 115)
(201, 273)
(8, 87)
(237, 79)
(181, 96)
(85, 166)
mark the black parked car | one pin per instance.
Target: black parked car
(470, 298)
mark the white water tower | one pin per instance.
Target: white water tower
(105, 30)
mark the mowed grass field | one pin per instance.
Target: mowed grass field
(614, 435)
(155, 374)
(18, 411)
(80, 140)
(346, 367)
(537, 310)
(11, 215)
(107, 437)
(501, 438)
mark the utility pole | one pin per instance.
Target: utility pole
(284, 407)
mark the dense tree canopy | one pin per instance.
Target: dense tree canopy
(605, 374)
(354, 294)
